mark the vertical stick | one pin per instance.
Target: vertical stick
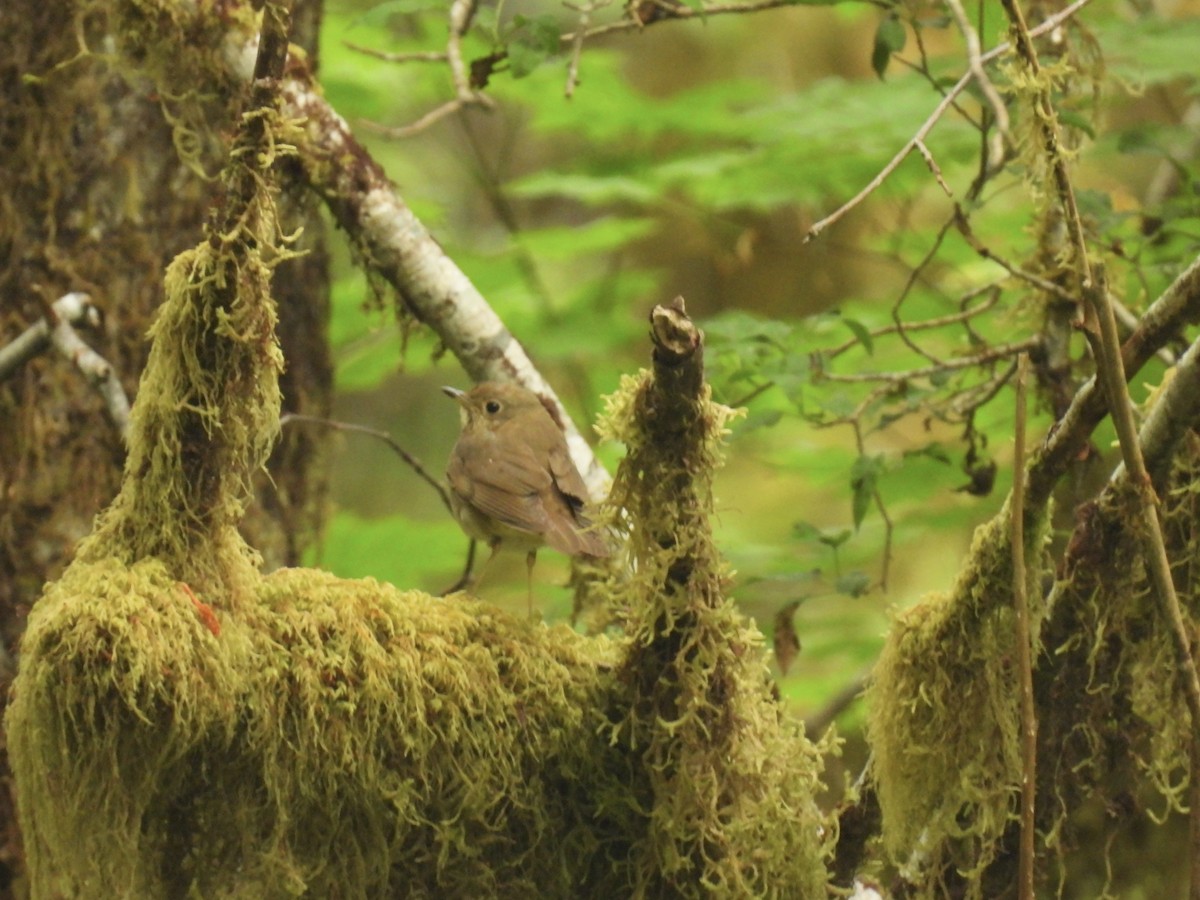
(1024, 661)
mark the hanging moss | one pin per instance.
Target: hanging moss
(943, 720)
(732, 780)
(1120, 714)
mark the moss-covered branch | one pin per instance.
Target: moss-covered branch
(729, 782)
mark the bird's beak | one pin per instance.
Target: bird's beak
(454, 393)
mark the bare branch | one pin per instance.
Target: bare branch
(675, 13)
(1177, 306)
(75, 308)
(432, 117)
(585, 17)
(411, 461)
(71, 309)
(995, 102)
(947, 101)
(933, 167)
(461, 13)
(846, 696)
(1020, 582)
(928, 324)
(433, 56)
(1111, 373)
(96, 370)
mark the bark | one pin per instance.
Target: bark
(94, 198)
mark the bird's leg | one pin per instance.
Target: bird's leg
(530, 559)
(495, 547)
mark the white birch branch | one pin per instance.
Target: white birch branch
(401, 250)
(70, 309)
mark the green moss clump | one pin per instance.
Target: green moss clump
(206, 416)
(340, 738)
(943, 719)
(732, 780)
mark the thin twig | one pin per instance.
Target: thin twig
(678, 13)
(1050, 24)
(877, 498)
(96, 370)
(75, 307)
(815, 725)
(415, 464)
(983, 394)
(431, 56)
(926, 324)
(963, 224)
(585, 17)
(461, 13)
(909, 284)
(934, 168)
(412, 461)
(432, 117)
(1003, 351)
(1024, 651)
(990, 94)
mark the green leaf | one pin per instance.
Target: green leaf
(835, 539)
(864, 476)
(758, 418)
(861, 334)
(531, 41)
(794, 381)
(806, 531)
(1075, 120)
(854, 584)
(890, 38)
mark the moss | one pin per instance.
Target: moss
(341, 738)
(731, 810)
(183, 726)
(943, 719)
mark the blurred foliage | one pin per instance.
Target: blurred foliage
(692, 158)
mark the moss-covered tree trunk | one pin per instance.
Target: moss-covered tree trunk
(95, 197)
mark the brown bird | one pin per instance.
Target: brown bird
(512, 481)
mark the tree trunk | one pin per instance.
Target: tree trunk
(95, 197)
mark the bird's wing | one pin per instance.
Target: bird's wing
(507, 489)
(573, 494)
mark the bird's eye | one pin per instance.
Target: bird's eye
(492, 406)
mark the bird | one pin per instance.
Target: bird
(512, 482)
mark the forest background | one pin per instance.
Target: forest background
(694, 158)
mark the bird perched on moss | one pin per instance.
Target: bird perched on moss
(512, 482)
